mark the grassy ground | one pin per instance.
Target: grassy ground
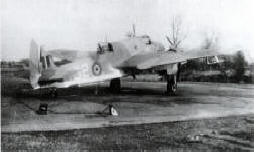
(220, 134)
(234, 133)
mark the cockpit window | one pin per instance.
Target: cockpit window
(99, 49)
(104, 47)
(110, 47)
(145, 36)
(146, 39)
(149, 42)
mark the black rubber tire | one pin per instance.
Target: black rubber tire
(115, 85)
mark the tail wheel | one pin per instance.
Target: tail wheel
(115, 85)
(171, 84)
(96, 69)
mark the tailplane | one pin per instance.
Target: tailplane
(34, 64)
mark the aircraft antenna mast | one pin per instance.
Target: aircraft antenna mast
(106, 38)
(134, 30)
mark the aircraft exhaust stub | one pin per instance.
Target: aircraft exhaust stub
(96, 69)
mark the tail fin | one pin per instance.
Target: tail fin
(34, 64)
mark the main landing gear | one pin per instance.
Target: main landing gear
(115, 85)
(171, 84)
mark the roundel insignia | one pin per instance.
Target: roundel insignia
(96, 69)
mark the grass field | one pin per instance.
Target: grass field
(228, 133)
(220, 134)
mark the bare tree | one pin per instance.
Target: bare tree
(176, 34)
(211, 41)
(239, 66)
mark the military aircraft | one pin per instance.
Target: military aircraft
(62, 68)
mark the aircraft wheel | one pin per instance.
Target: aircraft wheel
(115, 85)
(171, 84)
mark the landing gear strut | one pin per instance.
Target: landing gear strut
(171, 84)
(115, 85)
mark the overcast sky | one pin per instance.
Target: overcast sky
(80, 24)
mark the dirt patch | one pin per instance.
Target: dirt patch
(77, 108)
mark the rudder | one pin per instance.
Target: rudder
(34, 64)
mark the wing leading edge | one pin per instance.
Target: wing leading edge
(147, 61)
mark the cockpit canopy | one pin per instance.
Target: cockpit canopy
(104, 47)
(146, 39)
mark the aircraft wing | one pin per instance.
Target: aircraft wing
(147, 61)
(70, 55)
(192, 54)
(162, 59)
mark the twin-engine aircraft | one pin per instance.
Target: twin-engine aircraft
(112, 60)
